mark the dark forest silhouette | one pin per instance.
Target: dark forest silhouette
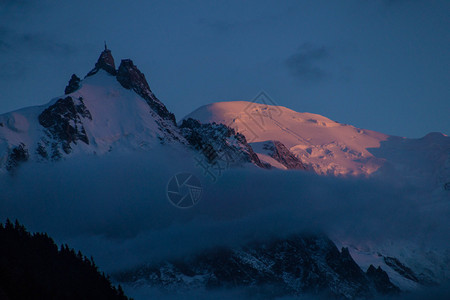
(32, 267)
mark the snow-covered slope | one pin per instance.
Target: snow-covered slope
(109, 110)
(329, 147)
(326, 146)
(96, 116)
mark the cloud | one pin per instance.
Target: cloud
(115, 208)
(145, 292)
(9, 3)
(257, 20)
(395, 2)
(119, 203)
(218, 26)
(13, 41)
(21, 51)
(305, 64)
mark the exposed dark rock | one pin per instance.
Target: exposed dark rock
(17, 155)
(105, 62)
(400, 268)
(425, 279)
(282, 267)
(42, 151)
(344, 265)
(283, 155)
(219, 143)
(63, 122)
(381, 281)
(131, 78)
(447, 186)
(56, 154)
(74, 84)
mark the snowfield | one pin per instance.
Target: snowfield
(332, 148)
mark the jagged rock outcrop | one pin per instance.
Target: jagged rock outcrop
(64, 125)
(381, 281)
(74, 84)
(286, 157)
(400, 268)
(406, 272)
(131, 78)
(300, 264)
(219, 143)
(17, 155)
(105, 62)
(280, 153)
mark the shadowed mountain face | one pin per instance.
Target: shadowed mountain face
(131, 78)
(219, 142)
(63, 123)
(104, 62)
(425, 161)
(300, 264)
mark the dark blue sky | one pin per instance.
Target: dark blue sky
(376, 64)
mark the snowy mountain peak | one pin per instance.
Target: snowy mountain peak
(325, 146)
(110, 110)
(105, 62)
(329, 147)
(131, 78)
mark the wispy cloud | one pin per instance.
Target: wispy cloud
(20, 50)
(14, 41)
(121, 206)
(305, 63)
(267, 18)
(394, 2)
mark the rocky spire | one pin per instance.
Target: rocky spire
(105, 62)
(74, 84)
(131, 78)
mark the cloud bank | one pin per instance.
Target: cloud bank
(305, 64)
(116, 208)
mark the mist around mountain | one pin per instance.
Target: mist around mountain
(91, 168)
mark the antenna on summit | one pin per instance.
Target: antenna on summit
(106, 48)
